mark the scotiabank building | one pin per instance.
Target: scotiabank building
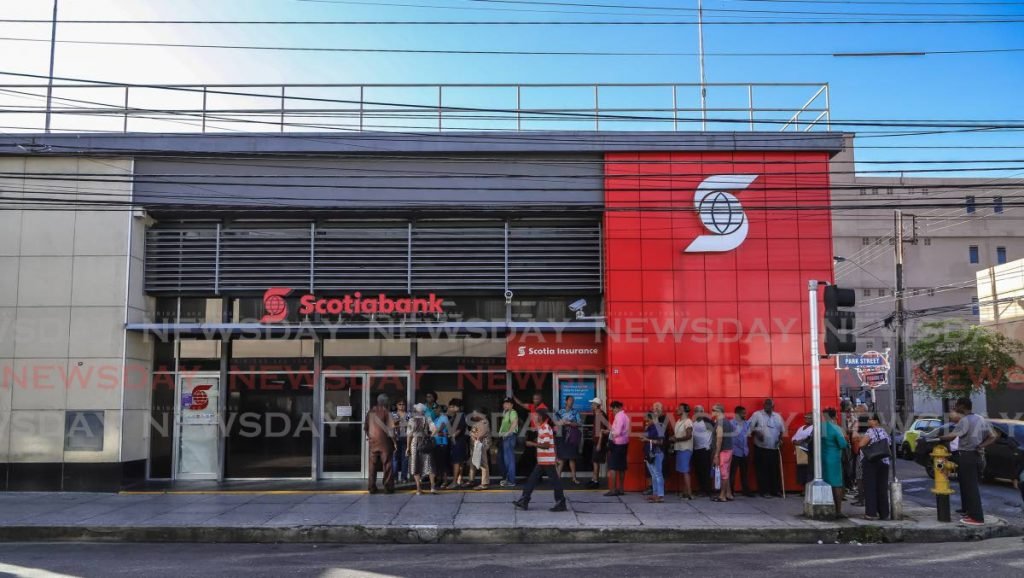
(228, 307)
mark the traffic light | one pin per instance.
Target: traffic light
(839, 323)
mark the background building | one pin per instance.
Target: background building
(944, 249)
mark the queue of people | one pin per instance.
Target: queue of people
(442, 447)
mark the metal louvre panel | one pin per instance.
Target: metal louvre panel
(466, 256)
(453, 257)
(362, 258)
(554, 258)
(252, 259)
(181, 260)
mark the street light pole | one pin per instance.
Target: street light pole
(703, 80)
(904, 401)
(49, 82)
(818, 502)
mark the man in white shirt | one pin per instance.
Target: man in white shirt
(803, 439)
(767, 428)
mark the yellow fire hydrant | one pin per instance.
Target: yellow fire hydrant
(943, 467)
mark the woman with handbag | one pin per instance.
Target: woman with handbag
(874, 457)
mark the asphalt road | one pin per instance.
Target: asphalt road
(999, 498)
(991, 558)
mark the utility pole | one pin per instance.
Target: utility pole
(703, 79)
(49, 83)
(904, 399)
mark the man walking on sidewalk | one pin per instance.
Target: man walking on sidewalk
(508, 431)
(545, 445)
(379, 428)
(975, 435)
(767, 427)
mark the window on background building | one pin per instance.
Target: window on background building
(931, 292)
(870, 344)
(975, 309)
(878, 240)
(867, 292)
(1000, 255)
(972, 253)
(970, 204)
(885, 345)
(865, 240)
(927, 240)
(997, 204)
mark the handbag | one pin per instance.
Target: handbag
(875, 451)
(717, 474)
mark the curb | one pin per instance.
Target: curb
(445, 535)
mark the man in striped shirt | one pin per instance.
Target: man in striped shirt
(545, 445)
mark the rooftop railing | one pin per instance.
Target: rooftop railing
(191, 108)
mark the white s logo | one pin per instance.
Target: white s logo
(522, 351)
(721, 213)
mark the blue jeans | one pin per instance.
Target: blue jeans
(657, 474)
(508, 457)
(400, 461)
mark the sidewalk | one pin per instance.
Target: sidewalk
(477, 517)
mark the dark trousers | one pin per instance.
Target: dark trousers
(970, 484)
(400, 461)
(380, 460)
(766, 467)
(534, 479)
(740, 466)
(803, 475)
(876, 489)
(702, 470)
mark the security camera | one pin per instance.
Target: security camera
(577, 307)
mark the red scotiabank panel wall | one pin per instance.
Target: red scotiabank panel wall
(714, 327)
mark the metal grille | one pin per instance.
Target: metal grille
(447, 257)
(362, 258)
(398, 257)
(554, 257)
(181, 260)
(252, 259)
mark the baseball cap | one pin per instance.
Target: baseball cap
(596, 400)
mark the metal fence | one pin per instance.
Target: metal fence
(190, 108)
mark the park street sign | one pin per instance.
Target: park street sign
(871, 366)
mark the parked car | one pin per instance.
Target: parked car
(906, 443)
(1003, 458)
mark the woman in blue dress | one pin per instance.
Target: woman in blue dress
(833, 442)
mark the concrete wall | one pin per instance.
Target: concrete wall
(64, 297)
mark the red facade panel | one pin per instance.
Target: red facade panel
(714, 326)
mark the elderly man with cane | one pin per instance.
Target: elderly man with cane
(379, 428)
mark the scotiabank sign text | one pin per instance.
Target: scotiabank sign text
(276, 309)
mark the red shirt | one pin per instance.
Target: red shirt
(533, 413)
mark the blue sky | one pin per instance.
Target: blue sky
(985, 86)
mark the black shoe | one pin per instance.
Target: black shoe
(611, 494)
(594, 484)
(521, 504)
(559, 507)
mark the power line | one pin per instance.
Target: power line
(942, 21)
(893, 53)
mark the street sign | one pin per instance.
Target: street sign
(872, 367)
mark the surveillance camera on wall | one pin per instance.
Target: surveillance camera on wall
(577, 307)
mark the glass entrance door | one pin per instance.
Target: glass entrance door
(197, 423)
(583, 388)
(345, 399)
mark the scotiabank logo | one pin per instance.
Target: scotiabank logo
(721, 213)
(200, 399)
(354, 304)
(274, 306)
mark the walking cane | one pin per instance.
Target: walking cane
(782, 472)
